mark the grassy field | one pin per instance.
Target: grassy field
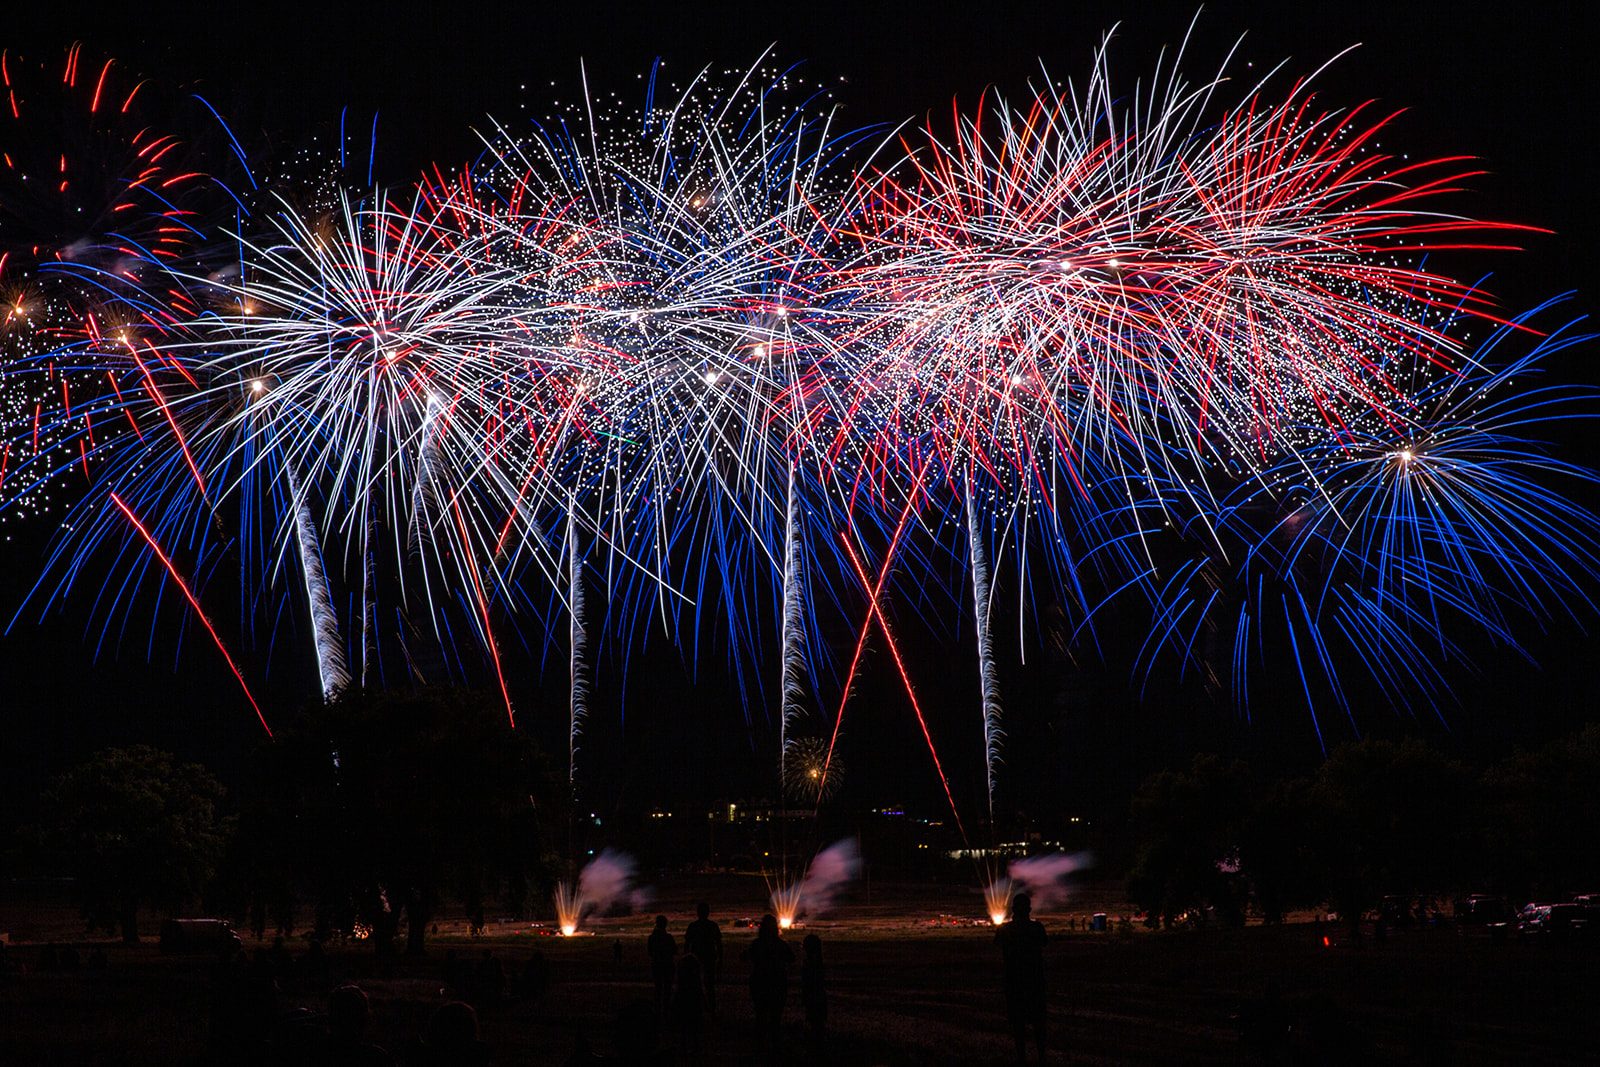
(906, 988)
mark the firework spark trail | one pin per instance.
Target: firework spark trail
(792, 638)
(988, 676)
(905, 678)
(422, 494)
(369, 603)
(332, 668)
(195, 604)
(874, 591)
(488, 631)
(1190, 347)
(578, 637)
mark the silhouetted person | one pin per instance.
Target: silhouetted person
(314, 964)
(456, 974)
(348, 1016)
(814, 993)
(770, 958)
(489, 982)
(535, 976)
(663, 950)
(636, 1036)
(1021, 944)
(689, 1008)
(451, 1038)
(703, 937)
(282, 963)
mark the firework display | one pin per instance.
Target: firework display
(708, 366)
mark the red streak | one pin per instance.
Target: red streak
(193, 603)
(483, 609)
(905, 677)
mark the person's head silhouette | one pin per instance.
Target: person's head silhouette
(1021, 908)
(347, 1012)
(769, 927)
(813, 946)
(702, 910)
(661, 923)
(453, 1028)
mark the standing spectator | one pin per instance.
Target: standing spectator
(663, 951)
(489, 983)
(814, 994)
(770, 959)
(451, 1039)
(1021, 944)
(689, 1008)
(348, 1016)
(703, 937)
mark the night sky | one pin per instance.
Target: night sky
(1513, 84)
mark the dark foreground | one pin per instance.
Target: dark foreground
(903, 990)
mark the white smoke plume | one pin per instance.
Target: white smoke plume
(1044, 878)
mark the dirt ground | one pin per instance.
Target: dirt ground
(913, 979)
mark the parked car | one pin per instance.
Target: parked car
(198, 935)
(1556, 922)
(1479, 909)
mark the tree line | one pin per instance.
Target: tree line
(366, 813)
(1377, 818)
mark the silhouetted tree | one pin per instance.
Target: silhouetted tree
(1186, 829)
(383, 804)
(1392, 817)
(1543, 819)
(1278, 850)
(135, 826)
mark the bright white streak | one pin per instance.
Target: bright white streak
(579, 638)
(988, 678)
(793, 633)
(331, 667)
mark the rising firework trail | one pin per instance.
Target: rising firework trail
(332, 669)
(988, 676)
(793, 636)
(578, 637)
